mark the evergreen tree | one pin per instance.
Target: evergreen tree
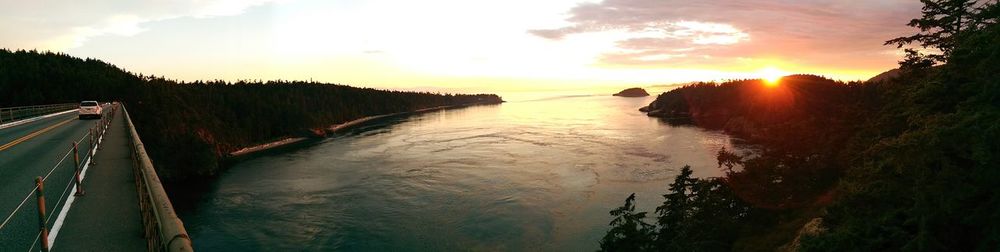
(188, 128)
(942, 22)
(906, 164)
(675, 210)
(629, 231)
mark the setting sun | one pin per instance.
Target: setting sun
(771, 75)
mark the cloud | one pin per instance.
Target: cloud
(62, 25)
(666, 33)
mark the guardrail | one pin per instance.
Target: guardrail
(17, 113)
(163, 230)
(19, 219)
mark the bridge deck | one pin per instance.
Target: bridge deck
(107, 217)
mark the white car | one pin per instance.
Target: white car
(90, 109)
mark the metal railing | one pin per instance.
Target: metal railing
(19, 219)
(17, 113)
(163, 229)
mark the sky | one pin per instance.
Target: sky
(465, 45)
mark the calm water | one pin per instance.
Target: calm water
(532, 174)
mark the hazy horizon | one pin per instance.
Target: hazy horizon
(469, 46)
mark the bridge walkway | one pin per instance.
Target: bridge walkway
(107, 216)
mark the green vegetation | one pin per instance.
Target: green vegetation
(189, 126)
(909, 163)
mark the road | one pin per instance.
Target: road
(28, 151)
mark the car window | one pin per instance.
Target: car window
(88, 104)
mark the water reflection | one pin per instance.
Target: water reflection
(531, 174)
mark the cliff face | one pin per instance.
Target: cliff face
(632, 92)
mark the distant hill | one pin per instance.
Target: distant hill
(187, 127)
(887, 75)
(747, 107)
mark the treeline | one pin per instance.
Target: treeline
(909, 163)
(772, 115)
(188, 126)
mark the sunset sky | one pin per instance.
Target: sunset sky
(468, 45)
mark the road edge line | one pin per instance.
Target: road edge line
(57, 225)
(16, 123)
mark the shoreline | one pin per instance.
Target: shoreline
(266, 146)
(289, 141)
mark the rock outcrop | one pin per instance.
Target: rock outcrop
(632, 92)
(812, 228)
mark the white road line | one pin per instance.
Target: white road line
(72, 196)
(12, 124)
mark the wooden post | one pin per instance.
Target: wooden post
(99, 133)
(76, 160)
(90, 151)
(40, 192)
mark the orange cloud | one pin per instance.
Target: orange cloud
(730, 33)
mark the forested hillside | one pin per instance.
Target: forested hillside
(908, 163)
(188, 126)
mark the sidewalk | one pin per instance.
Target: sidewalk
(107, 217)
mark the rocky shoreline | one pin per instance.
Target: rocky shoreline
(319, 133)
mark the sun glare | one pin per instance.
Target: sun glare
(771, 75)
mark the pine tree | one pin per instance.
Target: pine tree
(943, 21)
(675, 210)
(628, 230)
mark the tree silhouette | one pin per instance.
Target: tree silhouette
(941, 24)
(629, 232)
(675, 210)
(905, 164)
(189, 127)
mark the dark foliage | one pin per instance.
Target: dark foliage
(928, 181)
(909, 163)
(629, 232)
(942, 24)
(188, 126)
(696, 215)
(801, 126)
(699, 215)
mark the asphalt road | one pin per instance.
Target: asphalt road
(28, 151)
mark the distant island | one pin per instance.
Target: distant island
(632, 92)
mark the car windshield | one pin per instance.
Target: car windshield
(88, 104)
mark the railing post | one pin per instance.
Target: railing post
(97, 129)
(40, 193)
(76, 160)
(91, 151)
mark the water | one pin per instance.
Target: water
(537, 173)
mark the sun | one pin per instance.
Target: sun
(771, 75)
